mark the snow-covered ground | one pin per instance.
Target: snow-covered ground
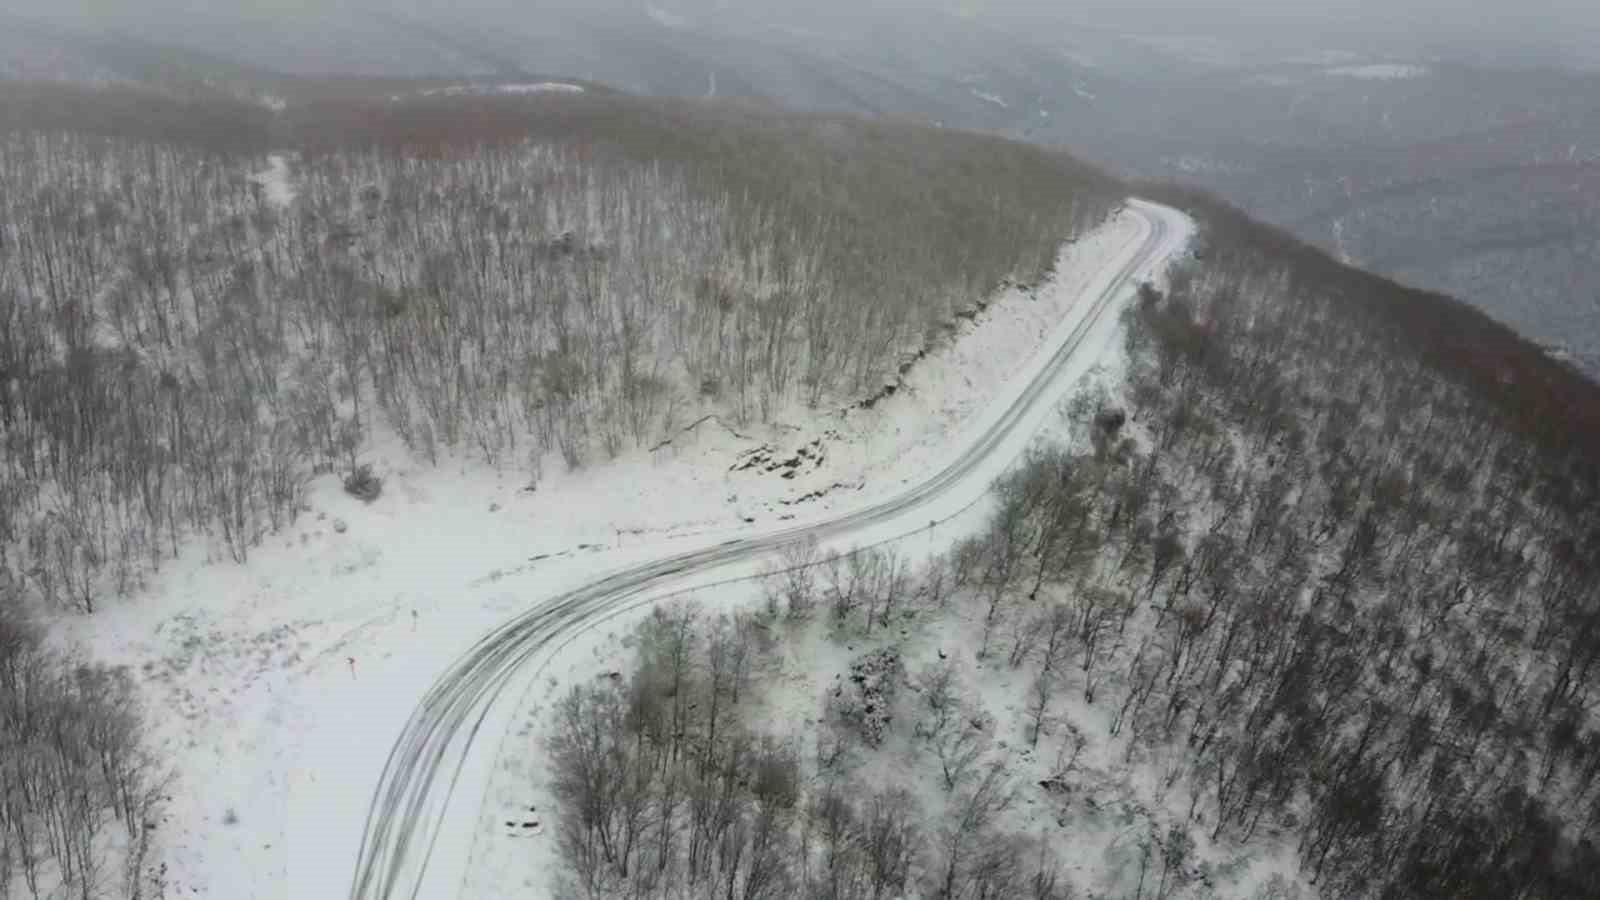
(987, 97)
(538, 87)
(1381, 71)
(275, 689)
(541, 87)
(512, 856)
(1341, 251)
(275, 181)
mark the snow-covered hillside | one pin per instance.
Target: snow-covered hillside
(275, 688)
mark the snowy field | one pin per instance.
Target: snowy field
(274, 690)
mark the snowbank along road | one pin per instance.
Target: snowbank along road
(421, 820)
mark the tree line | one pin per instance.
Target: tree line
(178, 354)
(1348, 585)
(1376, 614)
(74, 777)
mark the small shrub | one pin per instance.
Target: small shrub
(866, 702)
(362, 484)
(1110, 421)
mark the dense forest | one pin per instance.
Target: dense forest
(1323, 568)
(180, 348)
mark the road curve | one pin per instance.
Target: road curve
(425, 764)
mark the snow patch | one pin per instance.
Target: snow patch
(990, 98)
(1381, 71)
(542, 87)
(479, 90)
(275, 181)
(1343, 252)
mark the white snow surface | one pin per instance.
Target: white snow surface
(542, 87)
(1343, 251)
(987, 97)
(275, 181)
(1381, 71)
(275, 689)
(474, 90)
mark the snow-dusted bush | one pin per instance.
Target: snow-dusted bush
(866, 699)
(363, 484)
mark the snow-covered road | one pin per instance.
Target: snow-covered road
(421, 822)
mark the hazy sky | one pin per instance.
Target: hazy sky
(1514, 20)
(1533, 13)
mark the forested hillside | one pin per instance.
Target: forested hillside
(189, 331)
(1316, 580)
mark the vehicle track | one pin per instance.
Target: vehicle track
(426, 761)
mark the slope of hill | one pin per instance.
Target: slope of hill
(1298, 603)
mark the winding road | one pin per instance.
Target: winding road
(423, 776)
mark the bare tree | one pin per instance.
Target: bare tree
(794, 580)
(960, 746)
(965, 830)
(891, 840)
(939, 688)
